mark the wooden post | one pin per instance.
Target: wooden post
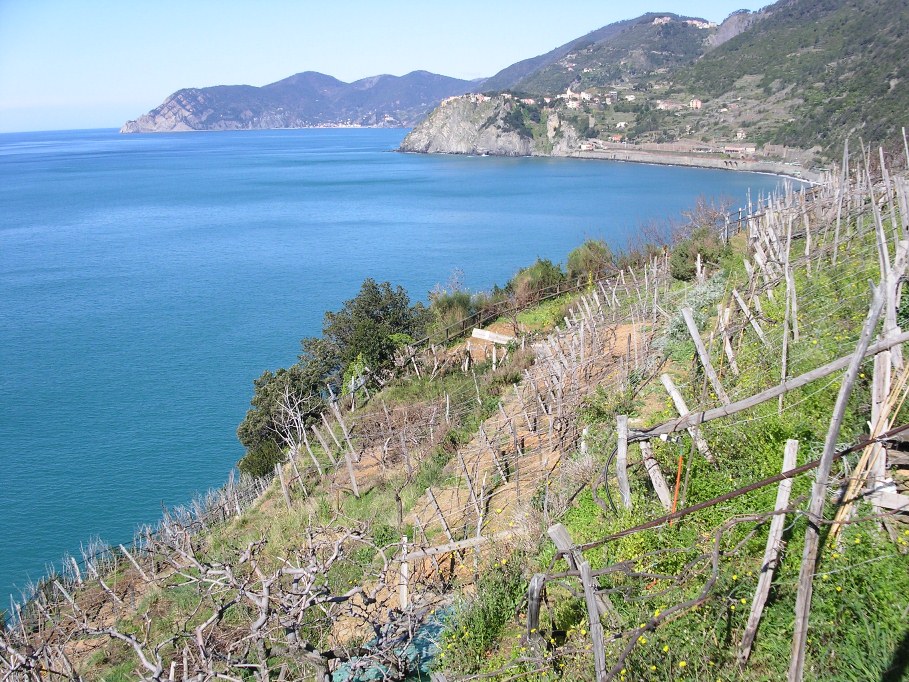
(324, 445)
(523, 408)
(656, 476)
(723, 314)
(621, 461)
(352, 474)
(334, 407)
(705, 357)
(771, 553)
(330, 430)
(131, 560)
(596, 627)
(754, 323)
(819, 492)
(279, 472)
(880, 392)
(682, 409)
(404, 576)
(311, 455)
(435, 503)
(534, 600)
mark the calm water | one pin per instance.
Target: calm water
(145, 281)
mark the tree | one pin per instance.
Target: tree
(366, 323)
(366, 332)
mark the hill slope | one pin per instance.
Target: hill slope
(799, 74)
(835, 68)
(303, 100)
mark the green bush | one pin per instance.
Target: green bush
(590, 258)
(529, 282)
(704, 241)
(260, 460)
(480, 623)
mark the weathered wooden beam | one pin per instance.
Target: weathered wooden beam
(621, 460)
(656, 476)
(893, 501)
(751, 319)
(704, 356)
(492, 337)
(561, 538)
(457, 546)
(789, 385)
(596, 627)
(683, 410)
(771, 553)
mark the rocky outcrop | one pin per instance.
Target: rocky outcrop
(472, 124)
(305, 100)
(735, 23)
(477, 124)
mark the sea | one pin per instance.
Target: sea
(147, 280)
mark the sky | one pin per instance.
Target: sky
(70, 64)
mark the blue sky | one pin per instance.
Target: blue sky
(96, 63)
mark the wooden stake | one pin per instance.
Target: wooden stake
(324, 444)
(596, 627)
(723, 314)
(330, 430)
(621, 460)
(404, 576)
(656, 476)
(683, 410)
(819, 491)
(435, 503)
(279, 472)
(311, 455)
(771, 553)
(131, 560)
(754, 323)
(704, 356)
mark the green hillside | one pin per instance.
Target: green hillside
(838, 67)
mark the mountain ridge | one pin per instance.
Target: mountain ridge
(305, 99)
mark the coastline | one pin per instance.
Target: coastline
(698, 161)
(663, 158)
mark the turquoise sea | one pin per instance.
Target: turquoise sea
(145, 281)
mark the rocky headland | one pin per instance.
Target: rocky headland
(502, 125)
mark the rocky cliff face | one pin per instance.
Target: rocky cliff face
(476, 124)
(472, 124)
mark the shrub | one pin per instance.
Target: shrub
(703, 241)
(260, 460)
(529, 282)
(590, 258)
(477, 627)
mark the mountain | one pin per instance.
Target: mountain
(625, 49)
(512, 76)
(788, 83)
(304, 100)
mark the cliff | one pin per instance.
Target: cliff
(304, 100)
(471, 124)
(499, 125)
